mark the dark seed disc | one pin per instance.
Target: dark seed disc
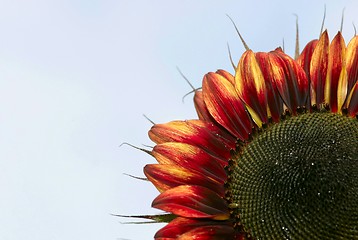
(299, 179)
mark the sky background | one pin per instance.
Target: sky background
(76, 78)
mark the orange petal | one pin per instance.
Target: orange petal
(225, 106)
(226, 75)
(191, 157)
(352, 62)
(318, 69)
(250, 85)
(195, 132)
(274, 101)
(290, 79)
(167, 176)
(336, 82)
(192, 202)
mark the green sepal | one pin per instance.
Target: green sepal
(159, 218)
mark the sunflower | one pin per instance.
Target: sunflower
(273, 153)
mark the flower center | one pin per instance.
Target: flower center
(299, 179)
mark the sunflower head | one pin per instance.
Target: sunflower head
(273, 153)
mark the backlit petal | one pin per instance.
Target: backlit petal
(304, 59)
(274, 101)
(214, 232)
(180, 226)
(352, 101)
(166, 176)
(336, 82)
(318, 69)
(189, 156)
(226, 75)
(192, 202)
(352, 62)
(225, 106)
(195, 132)
(291, 80)
(250, 85)
(200, 106)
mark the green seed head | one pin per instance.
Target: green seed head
(298, 179)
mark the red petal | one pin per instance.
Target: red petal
(336, 83)
(250, 85)
(200, 107)
(192, 202)
(190, 157)
(216, 232)
(274, 101)
(225, 106)
(352, 101)
(167, 176)
(198, 133)
(304, 60)
(291, 80)
(180, 226)
(318, 69)
(352, 62)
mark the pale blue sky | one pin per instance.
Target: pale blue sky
(76, 77)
